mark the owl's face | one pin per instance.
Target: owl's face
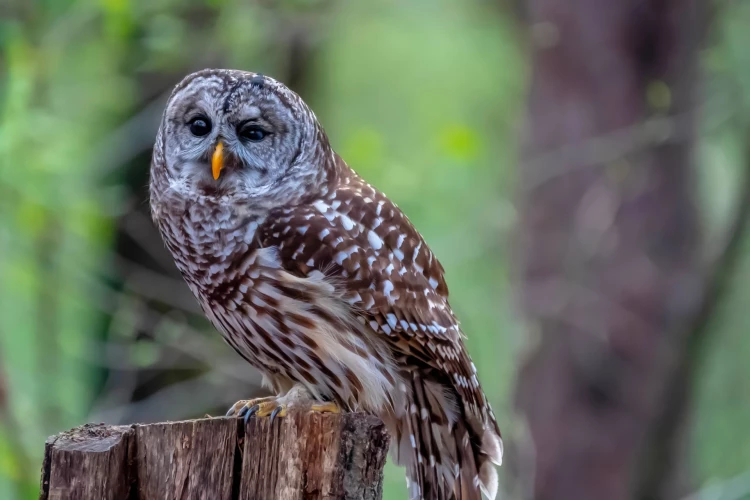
(231, 134)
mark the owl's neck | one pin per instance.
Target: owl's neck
(208, 234)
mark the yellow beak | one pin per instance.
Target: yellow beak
(217, 161)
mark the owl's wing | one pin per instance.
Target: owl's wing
(370, 251)
(365, 245)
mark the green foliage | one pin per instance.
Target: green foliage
(722, 408)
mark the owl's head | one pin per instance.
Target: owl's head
(237, 135)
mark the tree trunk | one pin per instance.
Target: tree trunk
(301, 456)
(609, 238)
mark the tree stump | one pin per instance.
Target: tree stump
(301, 456)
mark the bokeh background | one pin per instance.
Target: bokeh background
(424, 98)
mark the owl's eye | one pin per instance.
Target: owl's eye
(200, 126)
(251, 132)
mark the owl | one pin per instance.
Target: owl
(317, 279)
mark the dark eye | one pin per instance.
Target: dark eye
(200, 126)
(251, 132)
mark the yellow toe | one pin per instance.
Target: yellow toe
(268, 408)
(329, 407)
(240, 407)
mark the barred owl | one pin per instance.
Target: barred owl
(317, 279)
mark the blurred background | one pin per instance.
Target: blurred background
(426, 99)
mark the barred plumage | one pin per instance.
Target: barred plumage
(316, 278)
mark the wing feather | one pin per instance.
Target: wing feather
(382, 267)
(366, 246)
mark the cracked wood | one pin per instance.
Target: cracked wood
(303, 456)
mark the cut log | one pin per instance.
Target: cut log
(91, 461)
(302, 456)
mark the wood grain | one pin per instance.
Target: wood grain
(88, 462)
(191, 459)
(314, 456)
(302, 456)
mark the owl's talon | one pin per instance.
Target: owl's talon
(240, 408)
(279, 406)
(251, 412)
(279, 411)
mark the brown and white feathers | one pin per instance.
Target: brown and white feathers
(316, 278)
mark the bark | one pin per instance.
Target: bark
(609, 237)
(302, 456)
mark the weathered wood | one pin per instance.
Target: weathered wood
(190, 459)
(91, 461)
(302, 456)
(314, 456)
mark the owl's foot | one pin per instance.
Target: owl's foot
(297, 399)
(241, 407)
(327, 407)
(272, 408)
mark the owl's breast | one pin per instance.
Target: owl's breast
(209, 241)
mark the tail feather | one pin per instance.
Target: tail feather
(488, 480)
(421, 432)
(450, 450)
(467, 467)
